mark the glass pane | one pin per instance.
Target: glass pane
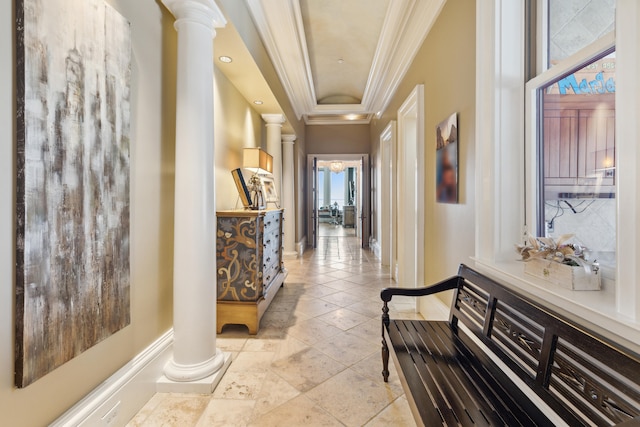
(577, 146)
(575, 24)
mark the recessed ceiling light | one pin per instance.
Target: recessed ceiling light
(225, 59)
(340, 61)
(258, 102)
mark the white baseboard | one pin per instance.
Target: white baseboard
(301, 246)
(129, 389)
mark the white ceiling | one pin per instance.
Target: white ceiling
(340, 61)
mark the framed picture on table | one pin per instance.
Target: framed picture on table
(241, 185)
(269, 189)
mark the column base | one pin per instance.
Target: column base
(204, 385)
(290, 254)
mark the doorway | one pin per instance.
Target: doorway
(387, 224)
(338, 206)
(410, 170)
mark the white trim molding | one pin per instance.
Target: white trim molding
(280, 25)
(129, 389)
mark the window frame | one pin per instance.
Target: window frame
(502, 188)
(533, 127)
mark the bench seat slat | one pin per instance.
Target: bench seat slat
(435, 337)
(495, 405)
(459, 376)
(425, 389)
(436, 366)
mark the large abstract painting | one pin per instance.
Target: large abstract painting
(72, 276)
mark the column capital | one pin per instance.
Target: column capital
(288, 138)
(273, 119)
(203, 12)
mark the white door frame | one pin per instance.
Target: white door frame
(410, 170)
(364, 210)
(387, 198)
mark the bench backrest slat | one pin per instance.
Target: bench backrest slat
(579, 374)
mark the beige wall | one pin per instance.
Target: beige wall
(338, 139)
(445, 64)
(152, 155)
(237, 126)
(237, 12)
(152, 197)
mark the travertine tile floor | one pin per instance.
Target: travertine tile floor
(316, 359)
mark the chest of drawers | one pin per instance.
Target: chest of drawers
(249, 265)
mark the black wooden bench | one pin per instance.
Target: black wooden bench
(502, 359)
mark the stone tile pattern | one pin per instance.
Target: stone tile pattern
(316, 359)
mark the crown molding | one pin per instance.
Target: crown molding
(280, 25)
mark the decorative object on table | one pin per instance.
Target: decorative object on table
(269, 189)
(447, 160)
(72, 222)
(261, 164)
(243, 190)
(561, 263)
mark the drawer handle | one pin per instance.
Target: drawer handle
(268, 259)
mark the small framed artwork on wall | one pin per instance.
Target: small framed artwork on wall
(447, 160)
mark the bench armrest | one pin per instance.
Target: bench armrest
(387, 293)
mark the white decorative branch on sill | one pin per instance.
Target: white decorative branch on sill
(595, 308)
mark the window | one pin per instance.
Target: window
(575, 130)
(574, 25)
(576, 171)
(503, 106)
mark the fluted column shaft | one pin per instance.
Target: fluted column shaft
(288, 195)
(194, 299)
(274, 142)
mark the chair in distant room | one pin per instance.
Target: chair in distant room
(335, 215)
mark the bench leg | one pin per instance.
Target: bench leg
(385, 360)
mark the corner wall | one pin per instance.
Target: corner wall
(445, 64)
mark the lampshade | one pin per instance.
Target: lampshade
(257, 160)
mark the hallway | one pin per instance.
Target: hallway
(316, 359)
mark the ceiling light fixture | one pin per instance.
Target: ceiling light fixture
(258, 102)
(340, 61)
(225, 59)
(336, 166)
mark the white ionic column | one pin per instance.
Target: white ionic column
(274, 138)
(197, 364)
(288, 196)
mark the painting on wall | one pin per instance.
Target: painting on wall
(447, 160)
(72, 219)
